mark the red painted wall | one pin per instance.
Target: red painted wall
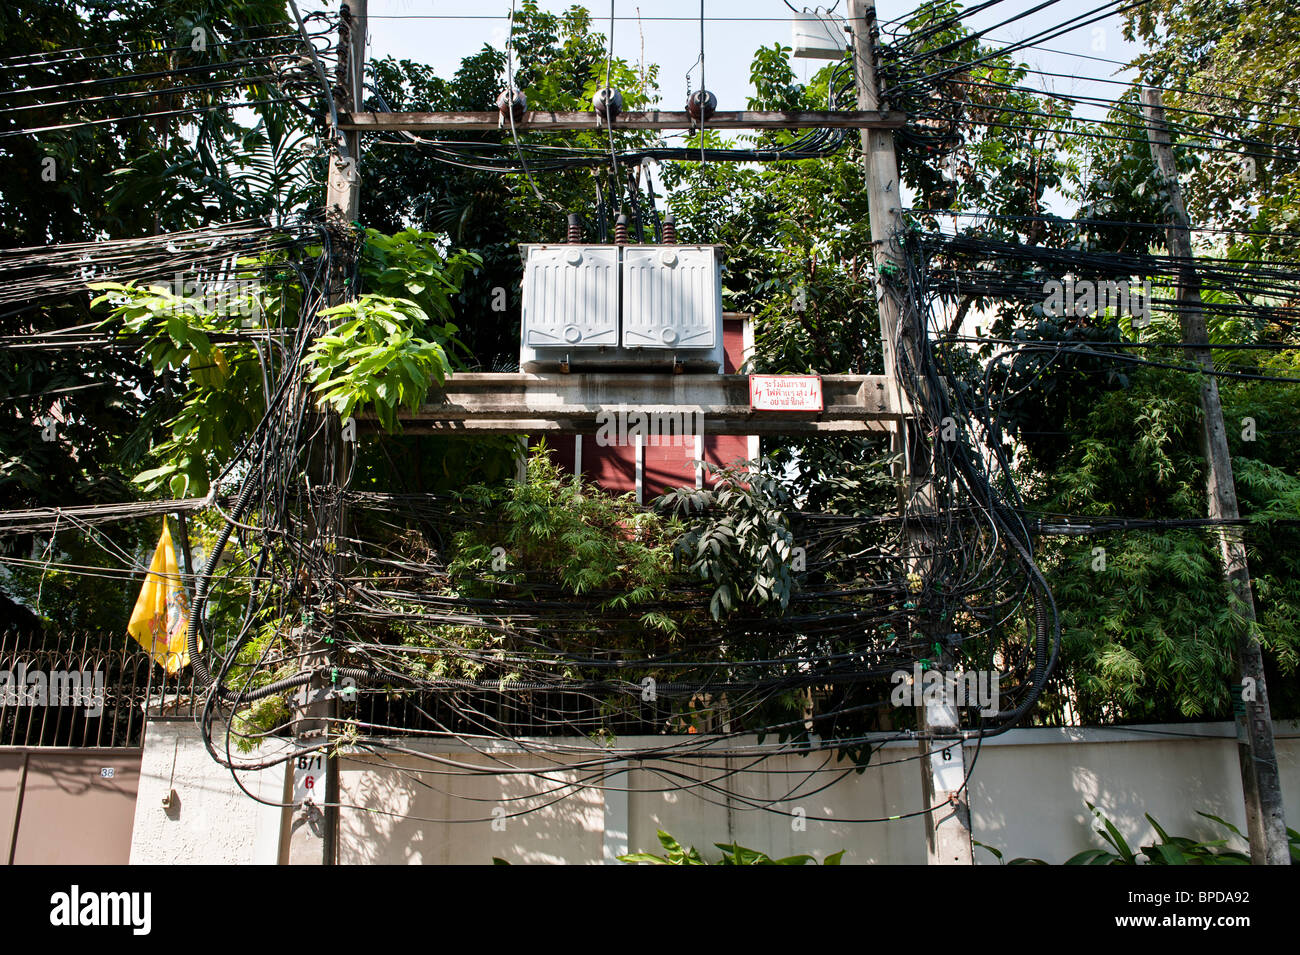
(667, 465)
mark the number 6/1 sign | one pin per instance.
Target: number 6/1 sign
(309, 779)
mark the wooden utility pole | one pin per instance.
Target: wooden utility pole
(313, 836)
(903, 332)
(1265, 815)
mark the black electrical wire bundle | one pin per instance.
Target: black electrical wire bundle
(835, 638)
(964, 514)
(63, 90)
(1265, 292)
(36, 274)
(525, 666)
(520, 156)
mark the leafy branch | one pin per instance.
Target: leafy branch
(732, 854)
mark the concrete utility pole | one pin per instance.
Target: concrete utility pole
(1265, 815)
(903, 332)
(313, 837)
(343, 185)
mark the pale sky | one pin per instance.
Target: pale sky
(442, 32)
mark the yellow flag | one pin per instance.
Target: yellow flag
(162, 611)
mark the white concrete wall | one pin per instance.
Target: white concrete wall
(701, 817)
(212, 822)
(1028, 793)
(418, 812)
(1029, 788)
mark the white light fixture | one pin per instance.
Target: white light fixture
(817, 37)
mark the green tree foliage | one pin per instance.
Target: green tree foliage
(596, 578)
(552, 536)
(981, 143)
(1146, 637)
(1228, 70)
(795, 233)
(119, 179)
(744, 548)
(395, 341)
(386, 349)
(1146, 620)
(383, 352)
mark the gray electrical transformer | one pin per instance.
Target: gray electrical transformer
(647, 307)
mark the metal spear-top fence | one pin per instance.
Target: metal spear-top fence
(89, 690)
(97, 690)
